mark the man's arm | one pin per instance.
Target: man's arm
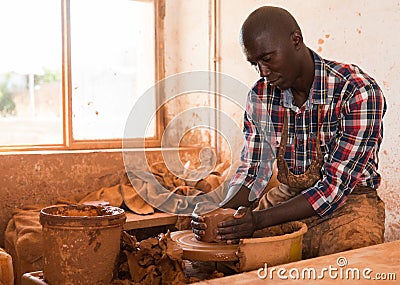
(248, 221)
(294, 209)
(237, 196)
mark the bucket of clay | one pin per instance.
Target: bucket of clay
(81, 243)
(273, 246)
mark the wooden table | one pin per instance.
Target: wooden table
(382, 259)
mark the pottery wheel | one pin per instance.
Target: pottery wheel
(195, 250)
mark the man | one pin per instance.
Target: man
(328, 118)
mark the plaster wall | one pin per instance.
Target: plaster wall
(360, 32)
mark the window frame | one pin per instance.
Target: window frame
(69, 143)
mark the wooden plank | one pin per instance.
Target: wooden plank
(382, 259)
(135, 221)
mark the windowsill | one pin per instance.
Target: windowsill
(85, 151)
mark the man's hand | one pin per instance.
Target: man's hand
(198, 226)
(242, 226)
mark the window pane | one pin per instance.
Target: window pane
(30, 72)
(112, 61)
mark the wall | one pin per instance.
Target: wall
(360, 32)
(188, 47)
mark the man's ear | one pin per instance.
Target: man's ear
(297, 39)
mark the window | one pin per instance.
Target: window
(71, 71)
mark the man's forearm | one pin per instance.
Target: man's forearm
(237, 196)
(294, 209)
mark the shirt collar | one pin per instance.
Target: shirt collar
(318, 92)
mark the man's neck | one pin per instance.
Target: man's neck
(299, 97)
(303, 84)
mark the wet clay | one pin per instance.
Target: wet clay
(80, 243)
(212, 220)
(156, 260)
(72, 211)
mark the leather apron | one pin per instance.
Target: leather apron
(359, 222)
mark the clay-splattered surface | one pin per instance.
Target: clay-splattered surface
(80, 249)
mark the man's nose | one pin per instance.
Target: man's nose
(263, 70)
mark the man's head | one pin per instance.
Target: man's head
(272, 41)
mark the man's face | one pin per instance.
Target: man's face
(274, 58)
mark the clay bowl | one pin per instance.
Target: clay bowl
(274, 245)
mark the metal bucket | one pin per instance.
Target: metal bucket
(81, 243)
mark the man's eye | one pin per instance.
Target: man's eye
(266, 59)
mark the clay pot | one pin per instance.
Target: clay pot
(212, 219)
(275, 245)
(212, 215)
(81, 243)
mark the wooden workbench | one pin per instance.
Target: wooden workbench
(134, 221)
(381, 259)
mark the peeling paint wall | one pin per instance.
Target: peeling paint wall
(359, 32)
(187, 48)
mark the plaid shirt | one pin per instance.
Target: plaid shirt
(352, 107)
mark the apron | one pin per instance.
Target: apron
(358, 223)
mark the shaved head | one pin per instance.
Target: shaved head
(273, 43)
(277, 22)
